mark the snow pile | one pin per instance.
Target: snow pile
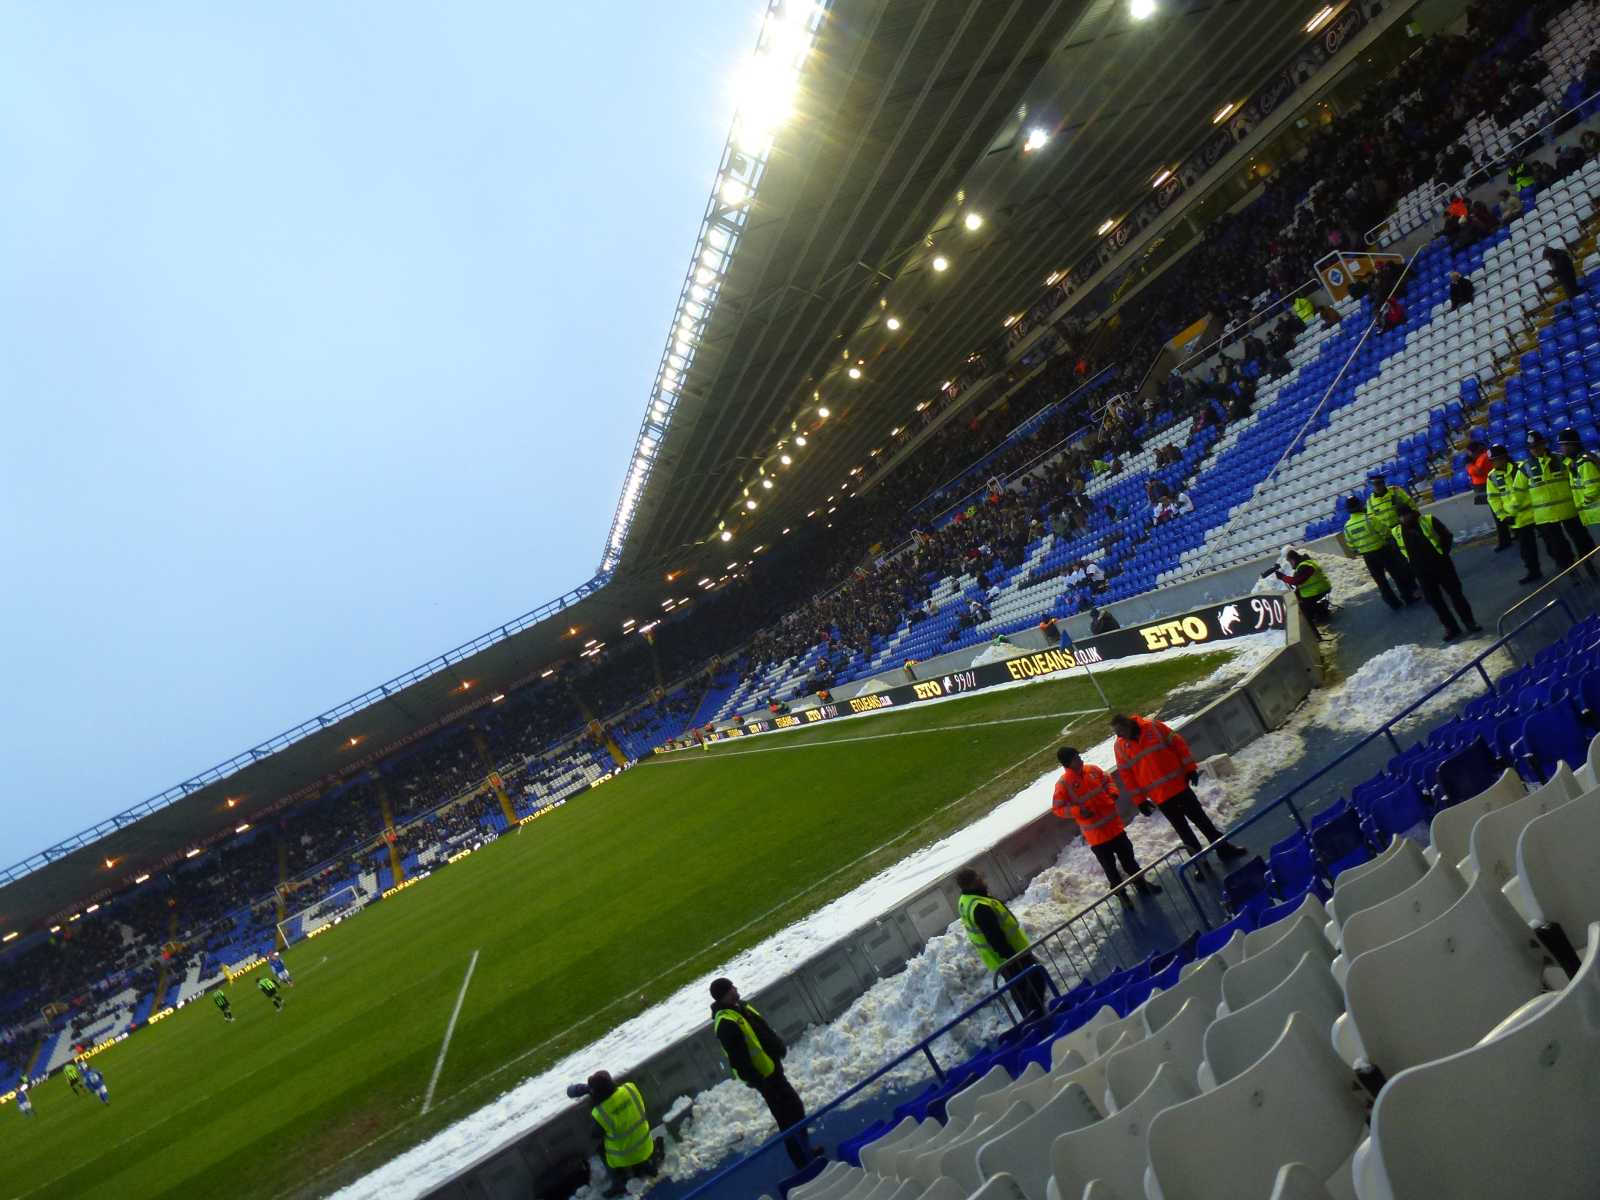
(1391, 681)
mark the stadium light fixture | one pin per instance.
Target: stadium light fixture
(767, 483)
(1052, 279)
(1226, 111)
(824, 412)
(801, 440)
(93, 908)
(354, 741)
(1106, 226)
(941, 263)
(13, 935)
(140, 878)
(726, 536)
(191, 852)
(55, 929)
(786, 533)
(1141, 10)
(1165, 175)
(733, 191)
(893, 323)
(547, 673)
(973, 221)
(497, 697)
(110, 862)
(1037, 140)
(750, 504)
(1324, 15)
(243, 828)
(785, 459)
(1011, 320)
(854, 372)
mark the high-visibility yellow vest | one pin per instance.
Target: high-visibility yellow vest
(759, 1058)
(1362, 536)
(1317, 584)
(1548, 489)
(1381, 510)
(622, 1119)
(1498, 490)
(1519, 505)
(992, 957)
(1584, 474)
(1425, 522)
(1304, 309)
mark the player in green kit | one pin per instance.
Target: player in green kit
(269, 989)
(71, 1072)
(222, 1004)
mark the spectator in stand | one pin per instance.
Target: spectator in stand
(1050, 629)
(1101, 621)
(1461, 290)
(1561, 266)
(1510, 207)
(1394, 313)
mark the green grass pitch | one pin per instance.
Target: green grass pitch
(582, 920)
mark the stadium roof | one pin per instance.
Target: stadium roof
(906, 117)
(909, 141)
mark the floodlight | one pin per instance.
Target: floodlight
(1036, 139)
(726, 536)
(854, 372)
(1324, 15)
(1226, 111)
(1140, 10)
(1161, 178)
(940, 263)
(824, 413)
(893, 323)
(1106, 226)
(785, 459)
(767, 484)
(750, 504)
(734, 192)
(801, 440)
(973, 221)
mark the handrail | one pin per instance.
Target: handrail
(1463, 185)
(1385, 730)
(1499, 625)
(923, 1047)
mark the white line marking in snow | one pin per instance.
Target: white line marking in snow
(588, 1018)
(873, 737)
(449, 1032)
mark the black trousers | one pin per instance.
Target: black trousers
(1528, 547)
(1182, 811)
(1502, 533)
(1578, 534)
(787, 1109)
(1441, 584)
(1556, 544)
(1030, 994)
(1119, 850)
(1388, 563)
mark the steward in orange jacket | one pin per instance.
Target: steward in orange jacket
(1086, 794)
(1155, 766)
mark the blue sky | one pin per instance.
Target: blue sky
(327, 331)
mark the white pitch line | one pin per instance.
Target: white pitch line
(873, 737)
(449, 1032)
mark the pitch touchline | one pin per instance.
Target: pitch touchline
(511, 1062)
(449, 1032)
(873, 737)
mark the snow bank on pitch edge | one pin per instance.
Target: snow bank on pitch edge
(896, 1012)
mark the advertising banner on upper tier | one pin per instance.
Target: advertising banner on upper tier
(1215, 623)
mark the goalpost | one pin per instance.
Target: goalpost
(324, 914)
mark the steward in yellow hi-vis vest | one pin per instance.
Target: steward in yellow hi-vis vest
(755, 1053)
(1543, 485)
(1514, 508)
(619, 1111)
(1375, 545)
(1426, 542)
(998, 938)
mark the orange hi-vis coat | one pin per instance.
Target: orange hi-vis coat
(1155, 765)
(1088, 796)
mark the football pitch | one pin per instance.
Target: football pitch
(580, 921)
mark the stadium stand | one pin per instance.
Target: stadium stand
(1239, 1063)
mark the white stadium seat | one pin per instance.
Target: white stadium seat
(1261, 972)
(1179, 1044)
(1116, 1149)
(1235, 1041)
(1023, 1152)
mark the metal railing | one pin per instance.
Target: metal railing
(1479, 175)
(1290, 811)
(923, 1047)
(1574, 589)
(1098, 940)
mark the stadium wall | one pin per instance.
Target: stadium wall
(824, 986)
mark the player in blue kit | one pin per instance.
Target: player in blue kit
(24, 1104)
(96, 1083)
(280, 968)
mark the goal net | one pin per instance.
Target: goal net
(325, 913)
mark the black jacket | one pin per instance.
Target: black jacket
(1424, 559)
(733, 1043)
(1104, 622)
